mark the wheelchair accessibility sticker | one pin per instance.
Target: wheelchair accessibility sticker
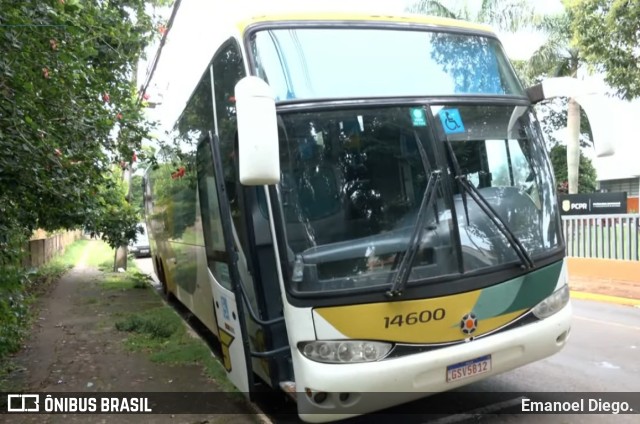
(451, 121)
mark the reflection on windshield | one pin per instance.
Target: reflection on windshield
(351, 187)
(316, 63)
(353, 180)
(499, 153)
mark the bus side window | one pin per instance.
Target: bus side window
(228, 69)
(211, 221)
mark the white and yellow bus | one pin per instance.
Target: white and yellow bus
(364, 204)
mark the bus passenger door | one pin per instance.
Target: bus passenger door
(221, 266)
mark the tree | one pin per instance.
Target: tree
(111, 215)
(588, 177)
(553, 118)
(137, 200)
(68, 111)
(607, 32)
(508, 15)
(559, 57)
(522, 70)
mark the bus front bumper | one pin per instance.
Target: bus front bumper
(378, 385)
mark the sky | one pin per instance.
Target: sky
(201, 25)
(185, 54)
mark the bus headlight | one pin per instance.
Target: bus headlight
(553, 303)
(344, 351)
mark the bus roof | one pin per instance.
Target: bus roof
(434, 21)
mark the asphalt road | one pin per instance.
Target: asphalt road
(602, 356)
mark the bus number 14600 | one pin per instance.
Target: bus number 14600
(415, 318)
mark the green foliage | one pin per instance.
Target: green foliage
(68, 110)
(136, 200)
(175, 196)
(161, 333)
(18, 290)
(608, 35)
(587, 178)
(553, 117)
(110, 214)
(522, 71)
(14, 308)
(558, 56)
(101, 256)
(159, 323)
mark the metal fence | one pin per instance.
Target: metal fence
(603, 236)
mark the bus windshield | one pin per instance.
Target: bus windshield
(314, 63)
(353, 181)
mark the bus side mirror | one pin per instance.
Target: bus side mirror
(258, 146)
(606, 114)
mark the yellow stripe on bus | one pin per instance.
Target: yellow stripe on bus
(413, 321)
(338, 17)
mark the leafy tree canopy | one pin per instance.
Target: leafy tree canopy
(68, 110)
(607, 33)
(587, 178)
(553, 118)
(509, 15)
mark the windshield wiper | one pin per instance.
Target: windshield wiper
(527, 262)
(404, 269)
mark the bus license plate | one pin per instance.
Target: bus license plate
(467, 369)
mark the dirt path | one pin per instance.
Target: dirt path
(75, 347)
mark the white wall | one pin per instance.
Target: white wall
(622, 118)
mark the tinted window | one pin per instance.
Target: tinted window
(228, 69)
(211, 222)
(175, 179)
(499, 151)
(330, 63)
(352, 185)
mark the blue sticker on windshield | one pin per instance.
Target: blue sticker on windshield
(451, 121)
(418, 117)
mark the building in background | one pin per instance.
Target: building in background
(621, 171)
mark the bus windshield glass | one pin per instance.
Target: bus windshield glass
(353, 181)
(314, 63)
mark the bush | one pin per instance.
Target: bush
(158, 323)
(18, 289)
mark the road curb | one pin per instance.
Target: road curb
(605, 298)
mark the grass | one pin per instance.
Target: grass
(161, 333)
(131, 279)
(102, 257)
(71, 255)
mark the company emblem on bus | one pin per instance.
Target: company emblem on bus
(469, 323)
